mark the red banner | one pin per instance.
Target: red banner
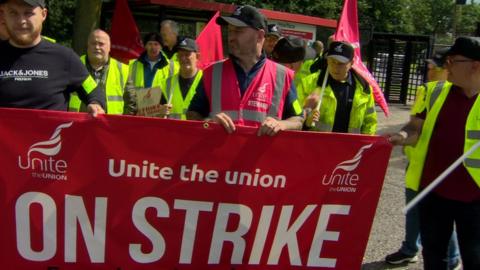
(119, 192)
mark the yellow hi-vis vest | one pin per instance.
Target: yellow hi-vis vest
(173, 94)
(117, 77)
(419, 105)
(434, 103)
(137, 71)
(363, 117)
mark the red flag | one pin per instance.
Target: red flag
(210, 43)
(347, 30)
(125, 37)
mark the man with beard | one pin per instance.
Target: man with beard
(247, 89)
(110, 73)
(38, 74)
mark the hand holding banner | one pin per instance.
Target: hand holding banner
(204, 200)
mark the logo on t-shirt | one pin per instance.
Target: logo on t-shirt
(23, 75)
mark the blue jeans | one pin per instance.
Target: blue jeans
(411, 244)
(437, 218)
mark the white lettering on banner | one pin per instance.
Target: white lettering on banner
(94, 238)
(221, 235)
(286, 235)
(247, 179)
(258, 104)
(141, 223)
(74, 211)
(192, 210)
(45, 166)
(193, 173)
(49, 226)
(146, 170)
(321, 234)
(341, 179)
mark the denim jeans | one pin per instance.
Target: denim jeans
(411, 244)
(437, 219)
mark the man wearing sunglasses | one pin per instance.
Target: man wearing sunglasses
(450, 126)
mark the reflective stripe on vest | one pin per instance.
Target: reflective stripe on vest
(436, 92)
(277, 93)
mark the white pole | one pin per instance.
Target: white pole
(439, 179)
(324, 84)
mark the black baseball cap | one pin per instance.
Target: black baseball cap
(33, 3)
(466, 46)
(36, 3)
(188, 44)
(244, 16)
(439, 57)
(340, 51)
(274, 30)
(291, 49)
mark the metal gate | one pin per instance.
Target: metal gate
(398, 64)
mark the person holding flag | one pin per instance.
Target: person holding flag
(180, 88)
(451, 115)
(338, 99)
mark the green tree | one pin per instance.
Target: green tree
(59, 23)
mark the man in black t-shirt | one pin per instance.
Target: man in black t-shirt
(38, 74)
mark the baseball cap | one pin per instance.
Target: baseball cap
(439, 57)
(274, 30)
(188, 44)
(36, 3)
(245, 16)
(291, 49)
(466, 46)
(340, 51)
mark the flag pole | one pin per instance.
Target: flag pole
(322, 90)
(439, 179)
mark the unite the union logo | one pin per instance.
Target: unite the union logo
(43, 165)
(342, 178)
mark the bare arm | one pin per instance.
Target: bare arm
(409, 134)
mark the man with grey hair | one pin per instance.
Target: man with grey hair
(170, 37)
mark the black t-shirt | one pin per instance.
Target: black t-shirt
(42, 77)
(185, 84)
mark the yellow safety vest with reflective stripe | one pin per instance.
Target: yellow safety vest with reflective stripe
(117, 77)
(434, 103)
(137, 71)
(363, 117)
(174, 95)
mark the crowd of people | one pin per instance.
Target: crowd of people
(273, 83)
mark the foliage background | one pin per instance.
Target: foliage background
(439, 18)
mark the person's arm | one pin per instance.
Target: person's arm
(409, 134)
(291, 117)
(87, 89)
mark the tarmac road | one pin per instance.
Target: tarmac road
(387, 232)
